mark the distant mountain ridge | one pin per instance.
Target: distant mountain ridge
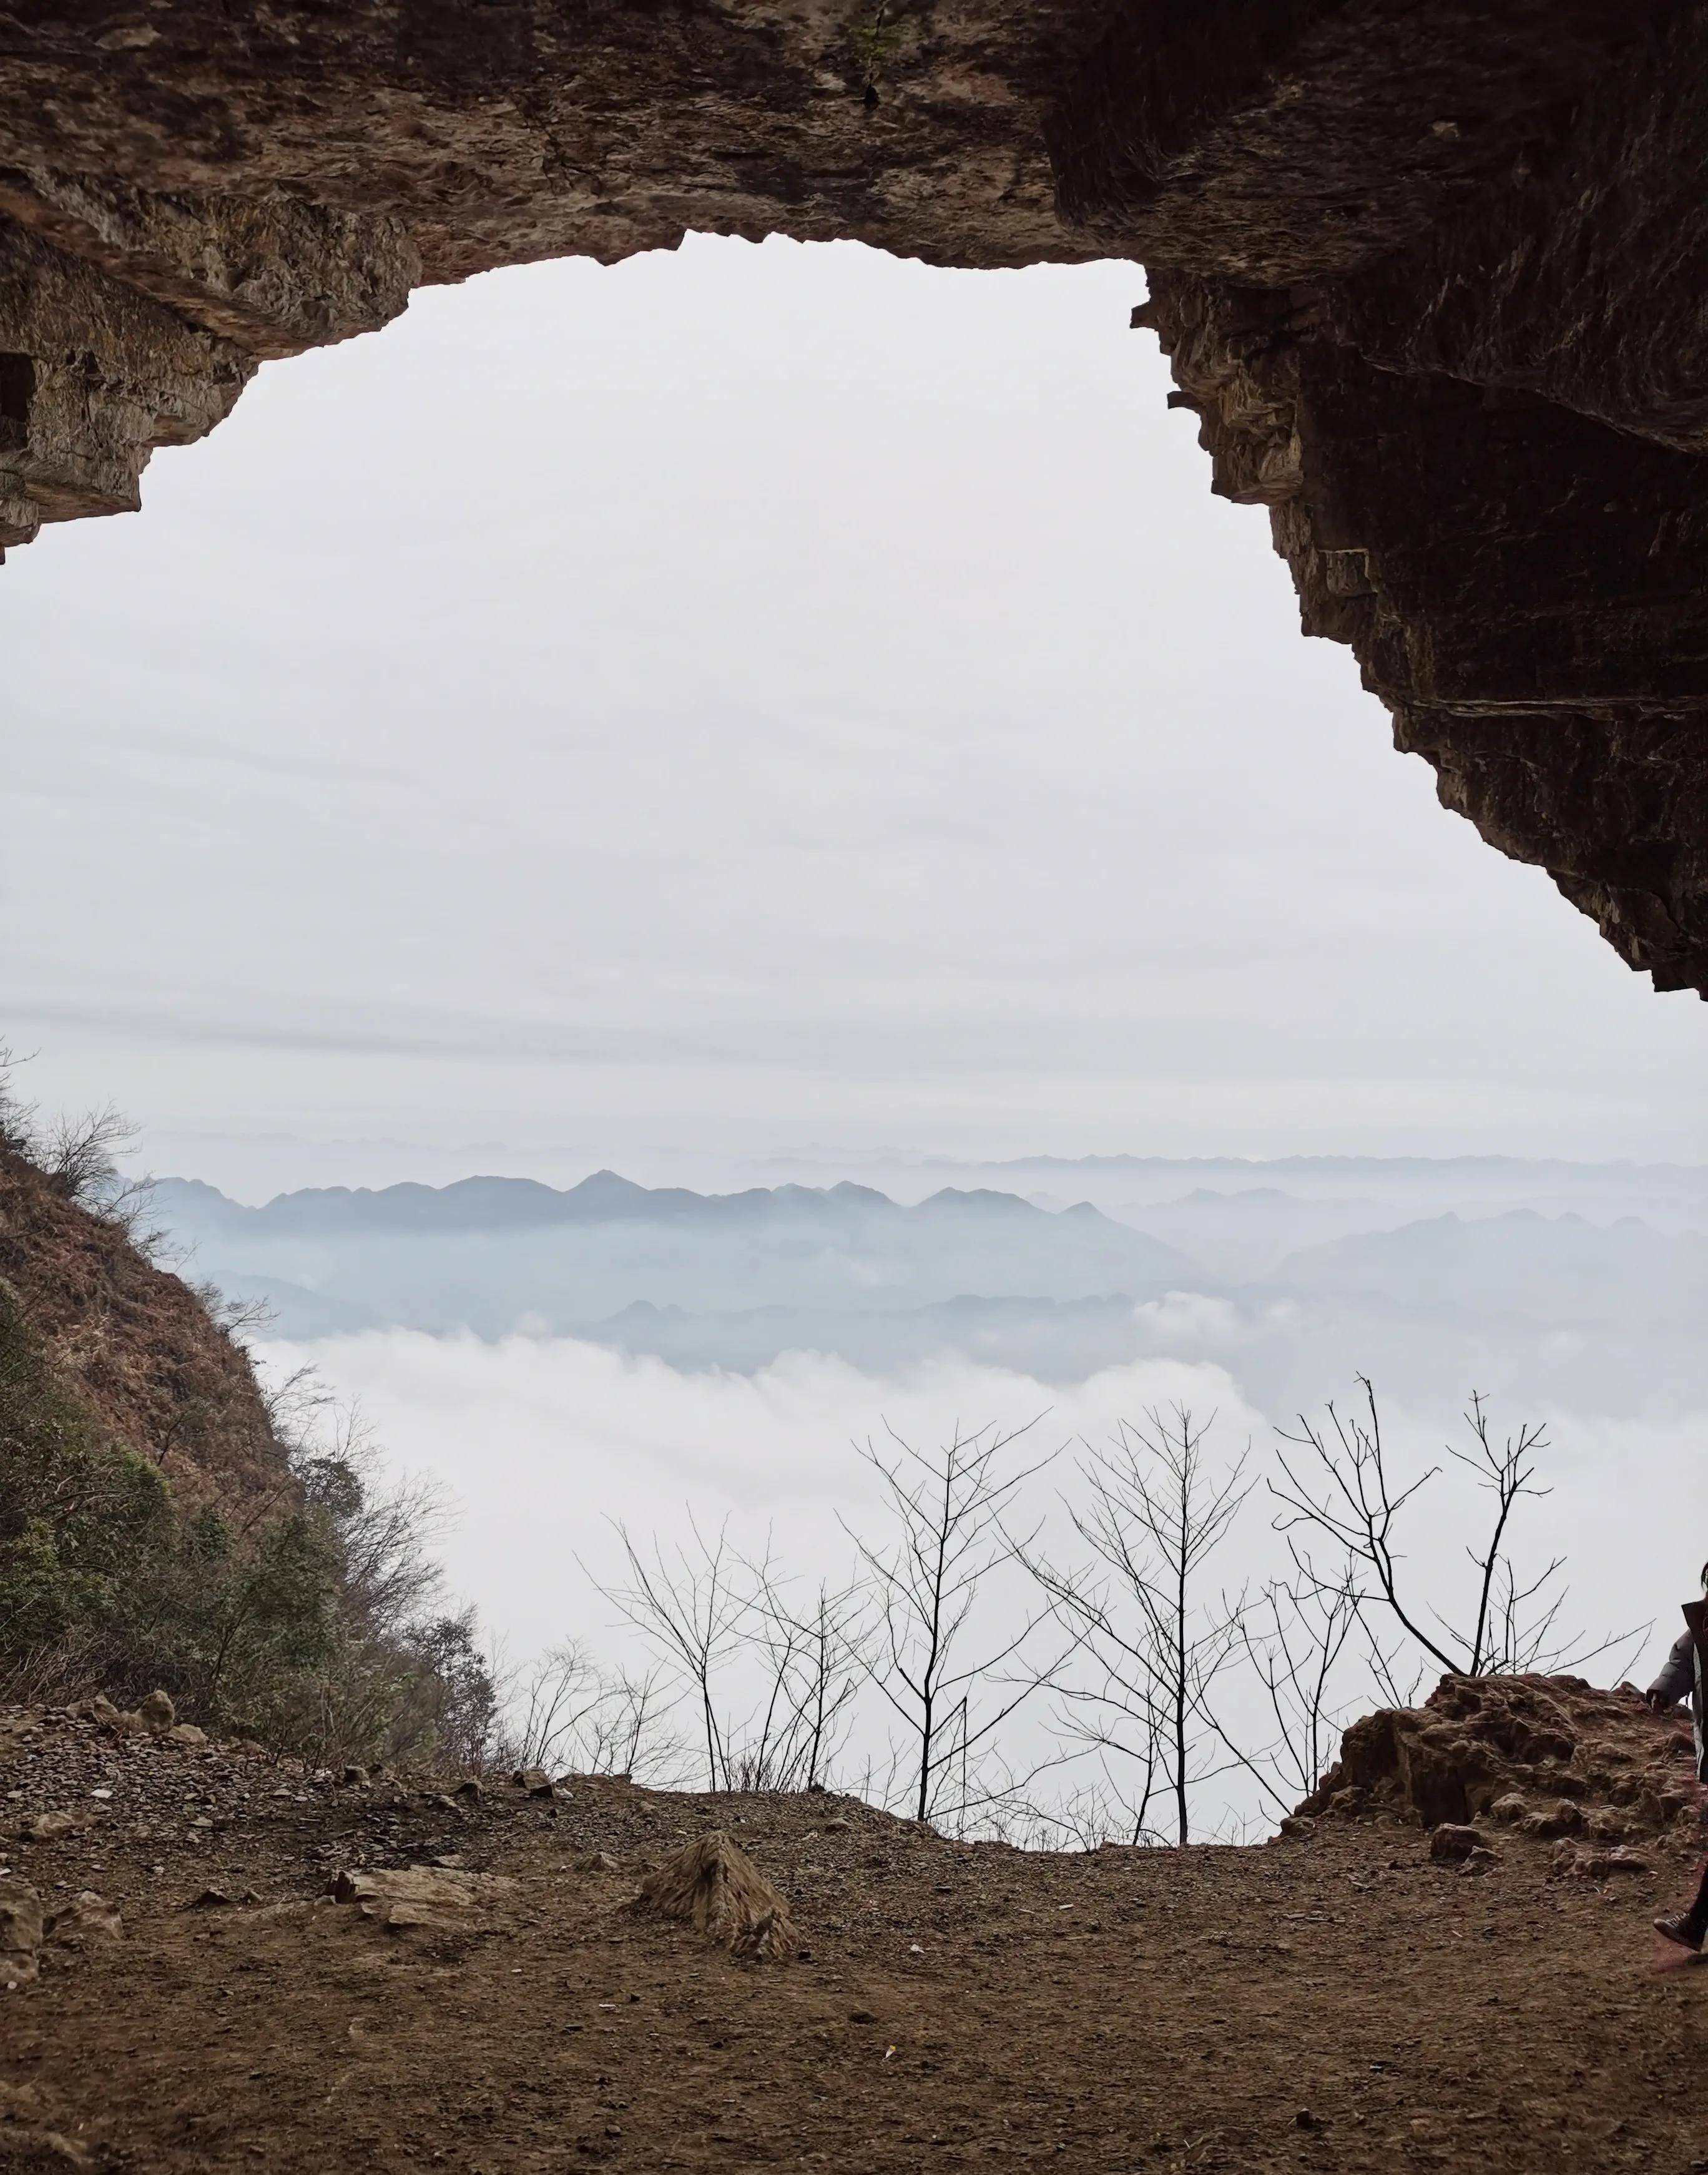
(493, 1253)
(1564, 1267)
(505, 1204)
(1294, 1291)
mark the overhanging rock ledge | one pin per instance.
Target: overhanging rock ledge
(1434, 280)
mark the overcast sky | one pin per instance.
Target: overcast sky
(743, 698)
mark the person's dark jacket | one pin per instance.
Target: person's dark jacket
(1683, 1678)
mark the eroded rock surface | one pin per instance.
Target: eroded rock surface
(1548, 1757)
(1433, 279)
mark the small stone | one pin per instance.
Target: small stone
(1481, 1860)
(596, 1861)
(1451, 1843)
(186, 1734)
(211, 1899)
(469, 1786)
(87, 1918)
(430, 1886)
(46, 1827)
(1510, 1810)
(1299, 1824)
(1612, 1865)
(534, 1780)
(352, 1775)
(1561, 1818)
(20, 1934)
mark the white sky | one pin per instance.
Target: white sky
(744, 698)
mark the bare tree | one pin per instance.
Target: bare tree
(79, 1154)
(239, 1319)
(1156, 1516)
(558, 1694)
(810, 1659)
(1294, 1638)
(17, 1117)
(625, 1736)
(1339, 1485)
(689, 1610)
(566, 1713)
(949, 1509)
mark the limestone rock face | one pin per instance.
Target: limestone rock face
(1434, 280)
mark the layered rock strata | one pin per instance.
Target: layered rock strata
(1433, 280)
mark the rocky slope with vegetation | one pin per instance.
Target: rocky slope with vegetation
(164, 1523)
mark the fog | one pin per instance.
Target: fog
(543, 1444)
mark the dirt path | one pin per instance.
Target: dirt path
(1334, 2001)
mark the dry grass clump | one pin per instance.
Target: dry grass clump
(714, 1886)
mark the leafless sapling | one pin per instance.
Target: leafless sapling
(949, 1690)
(689, 1608)
(1155, 1516)
(808, 1654)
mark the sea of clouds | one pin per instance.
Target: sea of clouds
(545, 1447)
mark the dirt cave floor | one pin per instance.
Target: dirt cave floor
(1336, 1999)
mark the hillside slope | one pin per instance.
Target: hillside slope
(157, 1528)
(131, 1345)
(1348, 1998)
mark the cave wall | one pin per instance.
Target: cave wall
(1434, 280)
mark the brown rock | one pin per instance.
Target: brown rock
(430, 1886)
(1563, 1817)
(1451, 1843)
(48, 1826)
(87, 1918)
(1612, 1865)
(21, 1928)
(186, 1734)
(157, 1713)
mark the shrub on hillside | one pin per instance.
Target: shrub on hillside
(292, 1601)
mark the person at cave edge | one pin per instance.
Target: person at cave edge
(1683, 1678)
